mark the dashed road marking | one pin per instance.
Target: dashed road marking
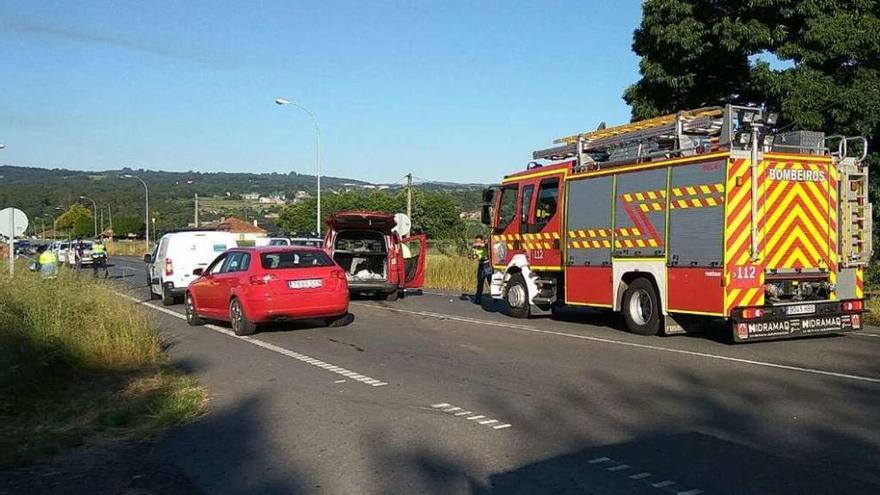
(663, 484)
(272, 347)
(618, 467)
(480, 419)
(604, 340)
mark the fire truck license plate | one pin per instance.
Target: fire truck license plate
(800, 309)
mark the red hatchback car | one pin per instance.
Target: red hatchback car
(250, 286)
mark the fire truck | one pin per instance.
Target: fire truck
(706, 213)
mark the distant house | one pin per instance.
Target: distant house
(243, 230)
(273, 199)
(251, 196)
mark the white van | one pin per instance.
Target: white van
(177, 254)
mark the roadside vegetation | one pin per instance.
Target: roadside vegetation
(872, 316)
(127, 248)
(81, 365)
(453, 272)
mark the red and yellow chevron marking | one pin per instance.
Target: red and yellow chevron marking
(860, 284)
(797, 224)
(744, 280)
(799, 218)
(589, 239)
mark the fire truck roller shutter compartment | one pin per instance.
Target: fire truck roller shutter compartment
(640, 214)
(696, 238)
(588, 241)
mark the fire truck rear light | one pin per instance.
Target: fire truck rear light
(752, 313)
(851, 306)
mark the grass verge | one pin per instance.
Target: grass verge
(872, 316)
(79, 365)
(450, 272)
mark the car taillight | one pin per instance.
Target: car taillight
(752, 313)
(262, 279)
(337, 274)
(851, 306)
(169, 267)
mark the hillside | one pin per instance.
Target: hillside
(41, 192)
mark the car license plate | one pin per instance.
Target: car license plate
(800, 309)
(310, 283)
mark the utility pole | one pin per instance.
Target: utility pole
(197, 210)
(409, 195)
(102, 222)
(110, 215)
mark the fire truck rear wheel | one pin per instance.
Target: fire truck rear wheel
(641, 307)
(517, 297)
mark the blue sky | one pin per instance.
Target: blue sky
(457, 91)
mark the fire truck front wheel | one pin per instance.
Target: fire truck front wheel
(517, 297)
(641, 307)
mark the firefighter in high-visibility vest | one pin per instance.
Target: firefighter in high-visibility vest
(48, 262)
(480, 253)
(99, 258)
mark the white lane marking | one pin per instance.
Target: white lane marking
(598, 460)
(480, 419)
(605, 340)
(619, 468)
(865, 334)
(690, 492)
(663, 484)
(640, 476)
(266, 345)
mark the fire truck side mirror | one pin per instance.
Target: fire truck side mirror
(486, 214)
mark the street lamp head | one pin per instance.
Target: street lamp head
(282, 101)
(2, 146)
(126, 176)
(83, 197)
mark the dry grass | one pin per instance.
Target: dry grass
(450, 272)
(81, 363)
(127, 248)
(872, 316)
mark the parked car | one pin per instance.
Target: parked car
(86, 256)
(272, 241)
(252, 286)
(375, 257)
(170, 266)
(305, 238)
(61, 249)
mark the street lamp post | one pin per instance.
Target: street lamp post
(146, 207)
(282, 101)
(94, 214)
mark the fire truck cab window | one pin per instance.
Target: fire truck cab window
(525, 207)
(547, 199)
(507, 207)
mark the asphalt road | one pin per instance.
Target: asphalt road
(432, 394)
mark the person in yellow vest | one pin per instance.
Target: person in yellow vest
(99, 258)
(480, 253)
(48, 262)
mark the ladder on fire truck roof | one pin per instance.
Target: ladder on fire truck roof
(660, 136)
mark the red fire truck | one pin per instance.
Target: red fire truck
(702, 213)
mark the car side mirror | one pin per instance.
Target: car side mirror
(486, 214)
(198, 272)
(148, 258)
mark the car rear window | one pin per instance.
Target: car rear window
(294, 259)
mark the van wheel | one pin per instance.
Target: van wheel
(392, 296)
(167, 297)
(240, 323)
(641, 308)
(517, 297)
(191, 316)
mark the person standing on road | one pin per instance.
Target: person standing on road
(99, 258)
(48, 262)
(480, 252)
(79, 250)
